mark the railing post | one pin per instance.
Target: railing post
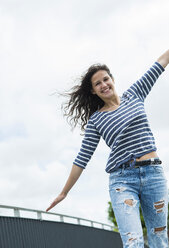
(61, 218)
(16, 212)
(39, 215)
(102, 226)
(78, 221)
(92, 223)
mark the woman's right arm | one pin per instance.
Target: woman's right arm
(89, 144)
(73, 177)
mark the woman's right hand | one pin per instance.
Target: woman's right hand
(74, 175)
(56, 201)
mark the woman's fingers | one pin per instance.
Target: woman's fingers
(51, 206)
(55, 202)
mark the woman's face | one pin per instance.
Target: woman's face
(103, 85)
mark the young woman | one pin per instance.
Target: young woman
(135, 170)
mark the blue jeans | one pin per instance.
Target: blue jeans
(145, 186)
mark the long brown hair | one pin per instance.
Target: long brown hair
(82, 103)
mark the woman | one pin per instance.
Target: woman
(135, 171)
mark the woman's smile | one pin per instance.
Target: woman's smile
(106, 90)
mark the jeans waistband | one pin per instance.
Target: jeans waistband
(150, 161)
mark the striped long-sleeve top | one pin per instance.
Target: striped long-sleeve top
(125, 130)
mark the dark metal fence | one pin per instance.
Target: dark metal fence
(21, 232)
(30, 233)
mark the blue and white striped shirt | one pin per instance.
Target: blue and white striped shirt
(125, 130)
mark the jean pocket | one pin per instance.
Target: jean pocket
(158, 169)
(159, 172)
(115, 175)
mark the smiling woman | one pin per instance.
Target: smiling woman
(83, 100)
(103, 86)
(136, 174)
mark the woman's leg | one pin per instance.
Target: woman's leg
(123, 188)
(154, 203)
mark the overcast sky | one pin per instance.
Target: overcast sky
(44, 46)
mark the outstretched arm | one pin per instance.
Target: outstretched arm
(73, 177)
(164, 59)
(89, 144)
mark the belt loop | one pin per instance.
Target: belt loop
(132, 164)
(123, 167)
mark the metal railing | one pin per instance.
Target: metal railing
(40, 216)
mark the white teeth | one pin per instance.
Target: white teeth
(106, 90)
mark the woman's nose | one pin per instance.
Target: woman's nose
(103, 84)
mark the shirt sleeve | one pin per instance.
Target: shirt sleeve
(143, 86)
(88, 146)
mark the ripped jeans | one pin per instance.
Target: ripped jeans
(145, 186)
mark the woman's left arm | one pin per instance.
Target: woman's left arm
(164, 59)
